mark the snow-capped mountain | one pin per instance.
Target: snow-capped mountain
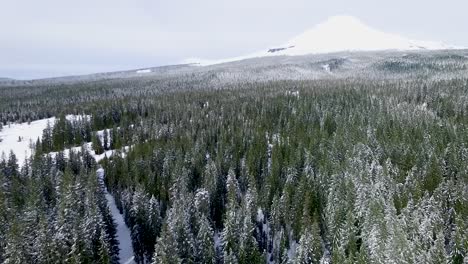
(339, 33)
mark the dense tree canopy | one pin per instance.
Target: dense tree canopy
(333, 170)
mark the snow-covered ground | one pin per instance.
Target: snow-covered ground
(88, 147)
(109, 153)
(10, 135)
(123, 232)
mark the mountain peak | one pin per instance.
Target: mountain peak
(341, 33)
(347, 33)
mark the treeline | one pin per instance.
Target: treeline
(120, 98)
(75, 131)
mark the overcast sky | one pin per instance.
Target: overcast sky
(44, 38)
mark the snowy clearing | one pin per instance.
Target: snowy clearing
(11, 134)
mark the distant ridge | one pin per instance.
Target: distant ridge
(99, 76)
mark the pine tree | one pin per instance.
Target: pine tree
(210, 180)
(4, 216)
(248, 246)
(437, 252)
(138, 214)
(154, 226)
(105, 137)
(309, 249)
(204, 242)
(44, 246)
(233, 191)
(14, 250)
(97, 144)
(165, 251)
(230, 258)
(115, 141)
(104, 252)
(47, 139)
(58, 134)
(64, 234)
(230, 234)
(231, 230)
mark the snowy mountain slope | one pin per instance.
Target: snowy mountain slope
(336, 34)
(346, 33)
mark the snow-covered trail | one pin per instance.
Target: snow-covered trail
(123, 232)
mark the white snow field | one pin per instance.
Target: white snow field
(336, 34)
(10, 135)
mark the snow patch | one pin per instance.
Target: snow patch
(89, 147)
(143, 71)
(72, 118)
(130, 260)
(217, 241)
(292, 246)
(293, 93)
(109, 153)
